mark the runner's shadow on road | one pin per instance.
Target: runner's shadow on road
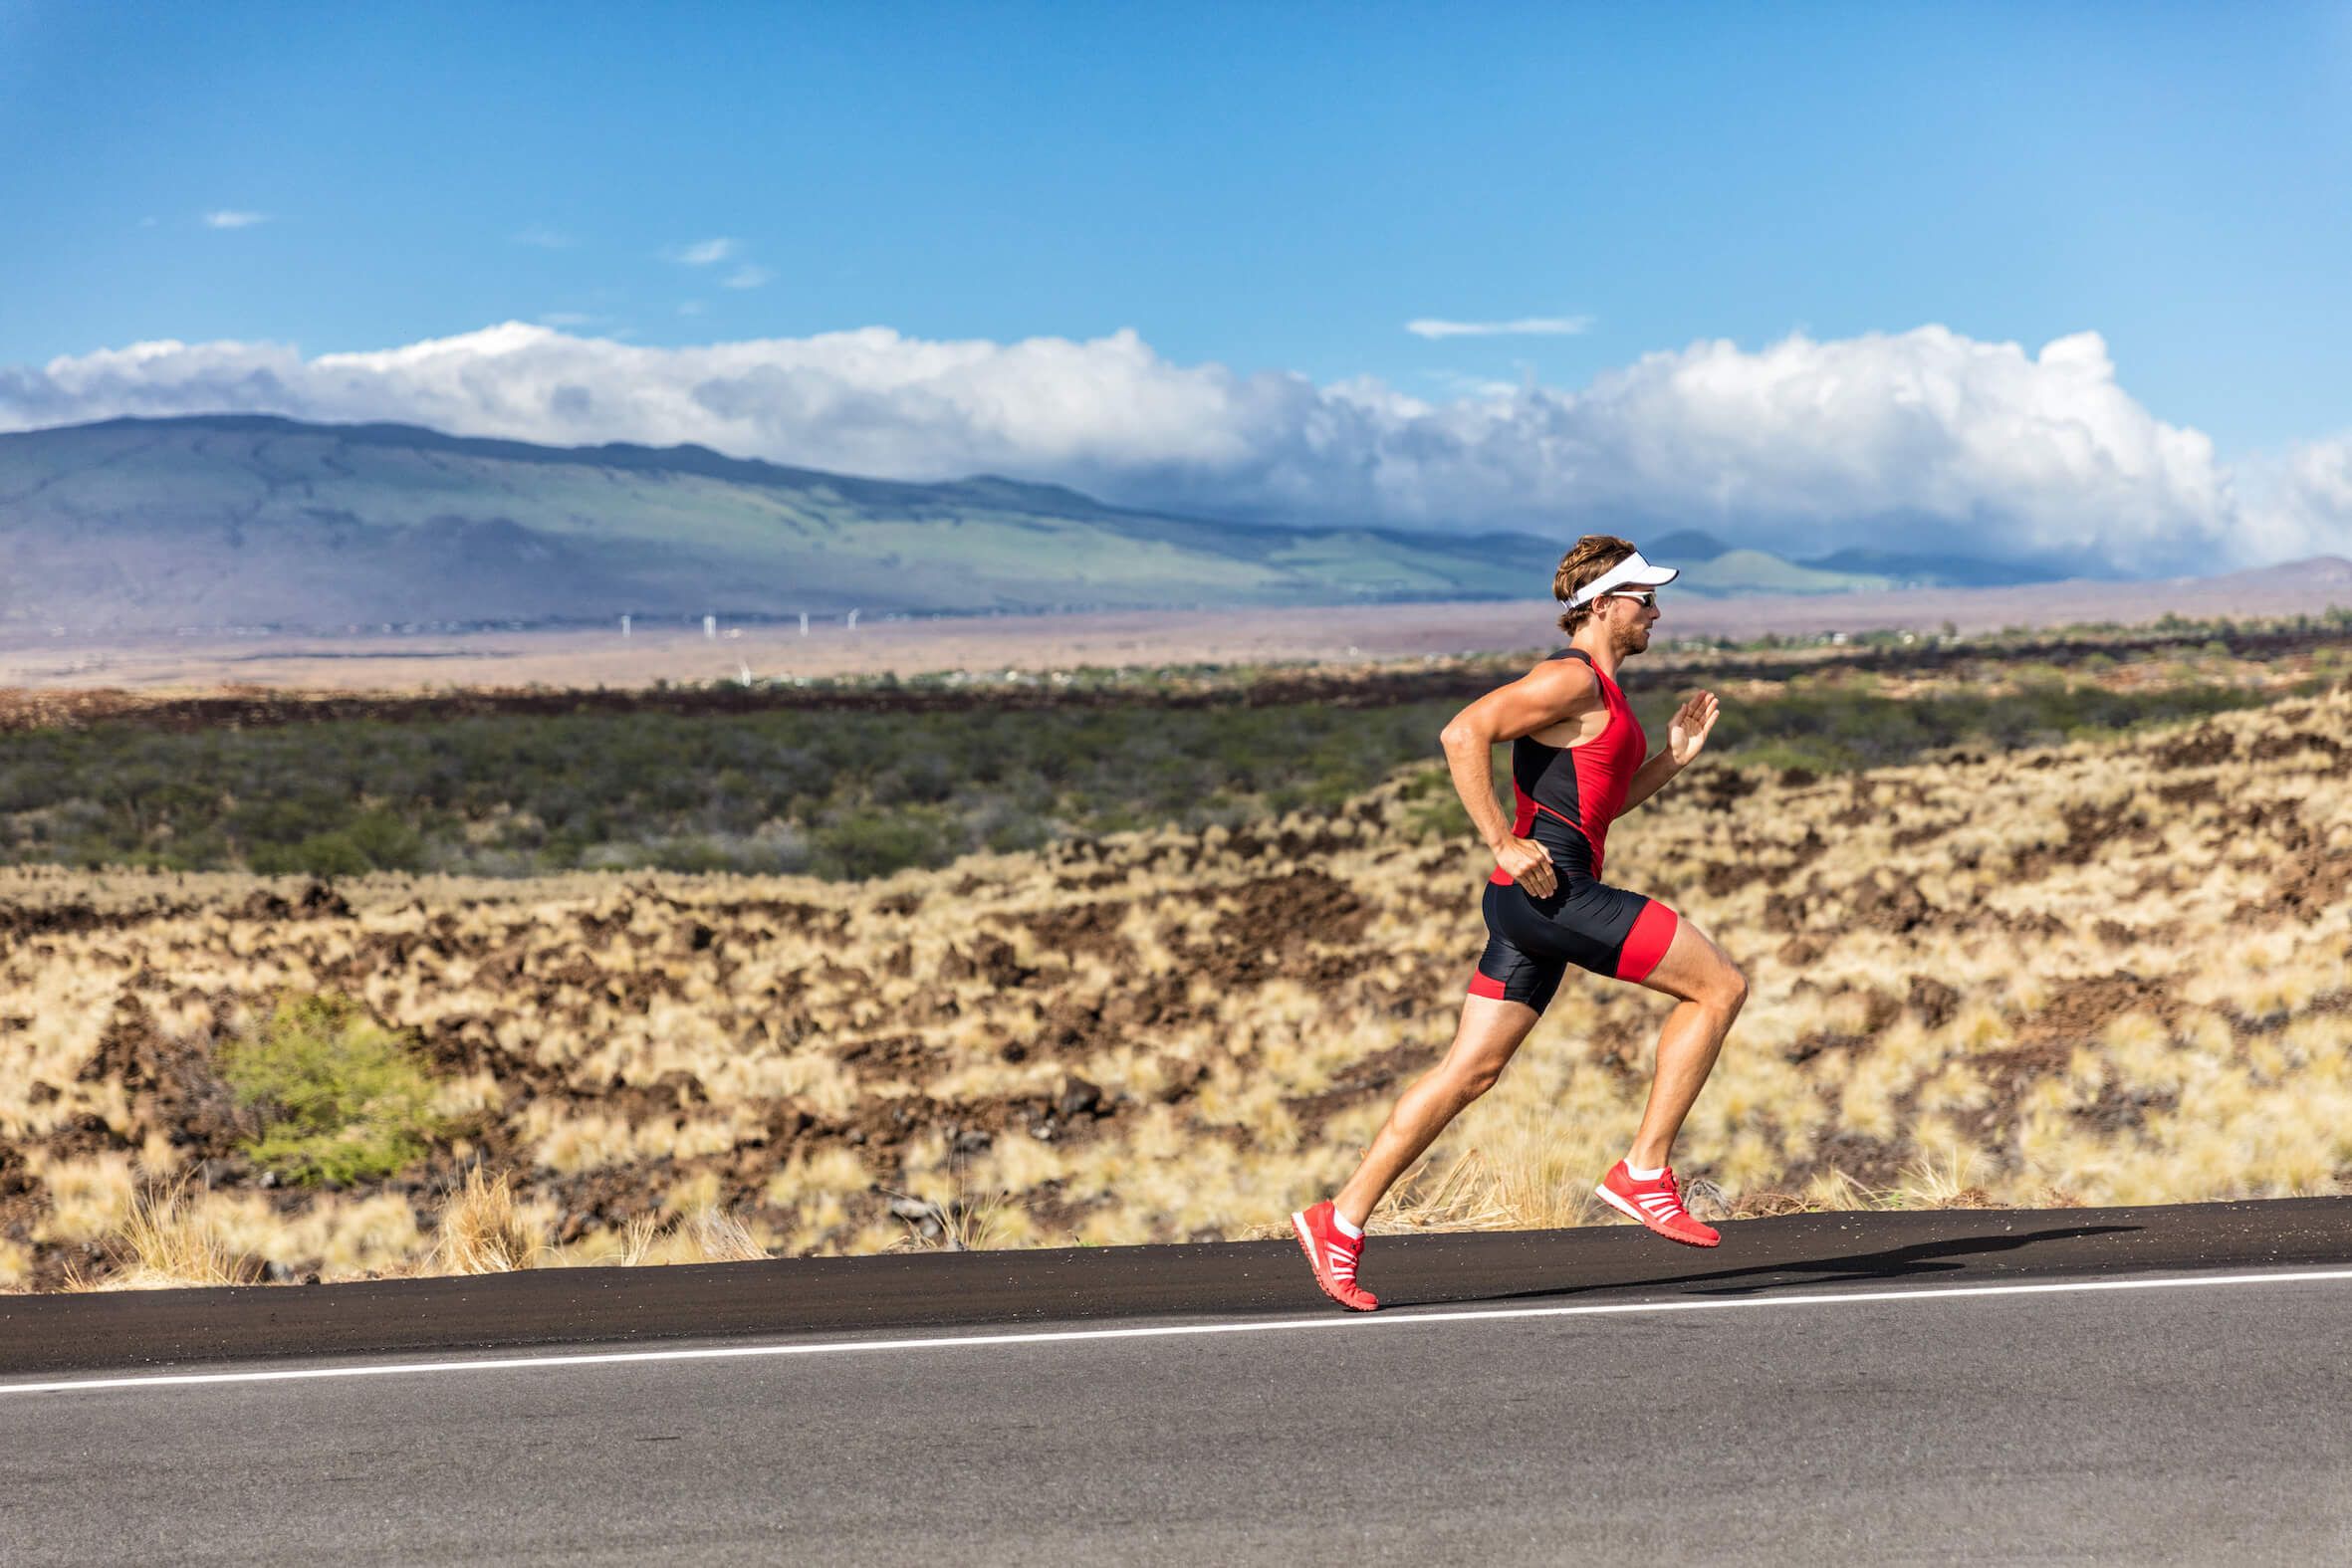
(1900, 1262)
(1921, 1257)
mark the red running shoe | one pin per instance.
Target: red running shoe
(1333, 1258)
(1657, 1205)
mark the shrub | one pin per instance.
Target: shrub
(319, 854)
(876, 845)
(389, 843)
(342, 1099)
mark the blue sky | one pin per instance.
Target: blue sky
(1259, 189)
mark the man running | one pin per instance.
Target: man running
(1576, 762)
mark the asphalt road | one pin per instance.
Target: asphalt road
(2127, 1386)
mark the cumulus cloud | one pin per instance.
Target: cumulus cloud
(230, 218)
(2302, 503)
(1523, 327)
(1923, 440)
(703, 253)
(746, 277)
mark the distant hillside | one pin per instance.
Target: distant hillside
(248, 521)
(1754, 571)
(1932, 571)
(241, 520)
(1711, 567)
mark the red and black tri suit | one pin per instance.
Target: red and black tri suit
(1568, 797)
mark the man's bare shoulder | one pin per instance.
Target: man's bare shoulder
(1555, 689)
(1564, 676)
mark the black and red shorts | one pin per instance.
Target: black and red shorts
(1531, 942)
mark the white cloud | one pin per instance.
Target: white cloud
(1916, 440)
(703, 253)
(690, 308)
(2303, 502)
(544, 238)
(746, 277)
(1463, 384)
(230, 218)
(567, 319)
(1523, 327)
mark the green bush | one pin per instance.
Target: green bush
(876, 844)
(387, 843)
(319, 854)
(342, 1099)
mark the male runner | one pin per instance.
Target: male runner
(1576, 762)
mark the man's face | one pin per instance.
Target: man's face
(1631, 614)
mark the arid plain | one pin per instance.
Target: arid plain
(384, 659)
(2112, 970)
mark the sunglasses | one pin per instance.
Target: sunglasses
(1647, 599)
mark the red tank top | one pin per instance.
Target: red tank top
(1579, 786)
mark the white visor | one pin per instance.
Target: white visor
(1632, 572)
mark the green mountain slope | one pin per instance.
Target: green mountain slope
(1754, 571)
(249, 521)
(228, 520)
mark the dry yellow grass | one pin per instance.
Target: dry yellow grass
(169, 1239)
(484, 1230)
(2109, 973)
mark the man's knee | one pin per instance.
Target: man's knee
(1729, 989)
(1472, 1081)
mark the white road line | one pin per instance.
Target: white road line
(1162, 1331)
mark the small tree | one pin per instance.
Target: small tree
(342, 1098)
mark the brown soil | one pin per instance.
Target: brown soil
(1088, 929)
(2075, 1015)
(172, 1091)
(1879, 1011)
(2092, 832)
(1383, 1075)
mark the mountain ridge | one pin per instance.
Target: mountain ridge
(213, 521)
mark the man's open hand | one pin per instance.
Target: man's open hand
(1686, 737)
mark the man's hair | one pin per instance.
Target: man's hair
(1584, 563)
